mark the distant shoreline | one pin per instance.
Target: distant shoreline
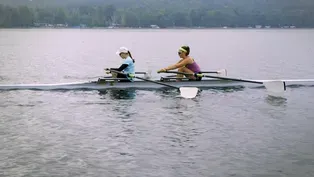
(170, 28)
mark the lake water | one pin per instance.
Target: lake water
(234, 132)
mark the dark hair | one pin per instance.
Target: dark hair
(131, 56)
(187, 48)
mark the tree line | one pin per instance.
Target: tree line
(107, 15)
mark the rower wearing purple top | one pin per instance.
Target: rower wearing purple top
(186, 65)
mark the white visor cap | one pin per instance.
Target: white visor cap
(122, 50)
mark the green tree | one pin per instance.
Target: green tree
(109, 12)
(129, 19)
(45, 16)
(26, 16)
(165, 13)
(60, 17)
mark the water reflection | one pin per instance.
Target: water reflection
(120, 118)
(180, 124)
(164, 93)
(125, 94)
(124, 108)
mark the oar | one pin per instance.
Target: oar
(147, 74)
(140, 72)
(207, 72)
(222, 72)
(272, 86)
(186, 92)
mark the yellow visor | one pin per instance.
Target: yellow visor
(182, 49)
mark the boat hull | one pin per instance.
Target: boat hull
(210, 83)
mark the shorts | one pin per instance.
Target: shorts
(123, 77)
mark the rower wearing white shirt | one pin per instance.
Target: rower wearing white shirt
(127, 67)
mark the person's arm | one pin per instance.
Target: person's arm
(125, 64)
(179, 64)
(121, 68)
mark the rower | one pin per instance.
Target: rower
(127, 65)
(185, 65)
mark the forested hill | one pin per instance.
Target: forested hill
(164, 13)
(246, 3)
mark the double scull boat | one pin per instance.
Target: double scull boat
(114, 83)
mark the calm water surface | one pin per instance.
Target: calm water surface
(233, 132)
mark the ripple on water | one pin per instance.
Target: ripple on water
(3, 78)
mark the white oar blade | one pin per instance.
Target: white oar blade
(188, 92)
(148, 74)
(222, 73)
(275, 87)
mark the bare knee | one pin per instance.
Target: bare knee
(181, 69)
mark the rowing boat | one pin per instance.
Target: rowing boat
(113, 83)
(187, 88)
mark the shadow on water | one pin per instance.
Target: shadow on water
(167, 92)
(119, 94)
(276, 101)
(227, 89)
(300, 86)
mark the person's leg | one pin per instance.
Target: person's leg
(180, 76)
(117, 75)
(188, 71)
(122, 76)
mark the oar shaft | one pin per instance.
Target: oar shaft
(157, 82)
(234, 79)
(140, 72)
(147, 80)
(206, 72)
(222, 78)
